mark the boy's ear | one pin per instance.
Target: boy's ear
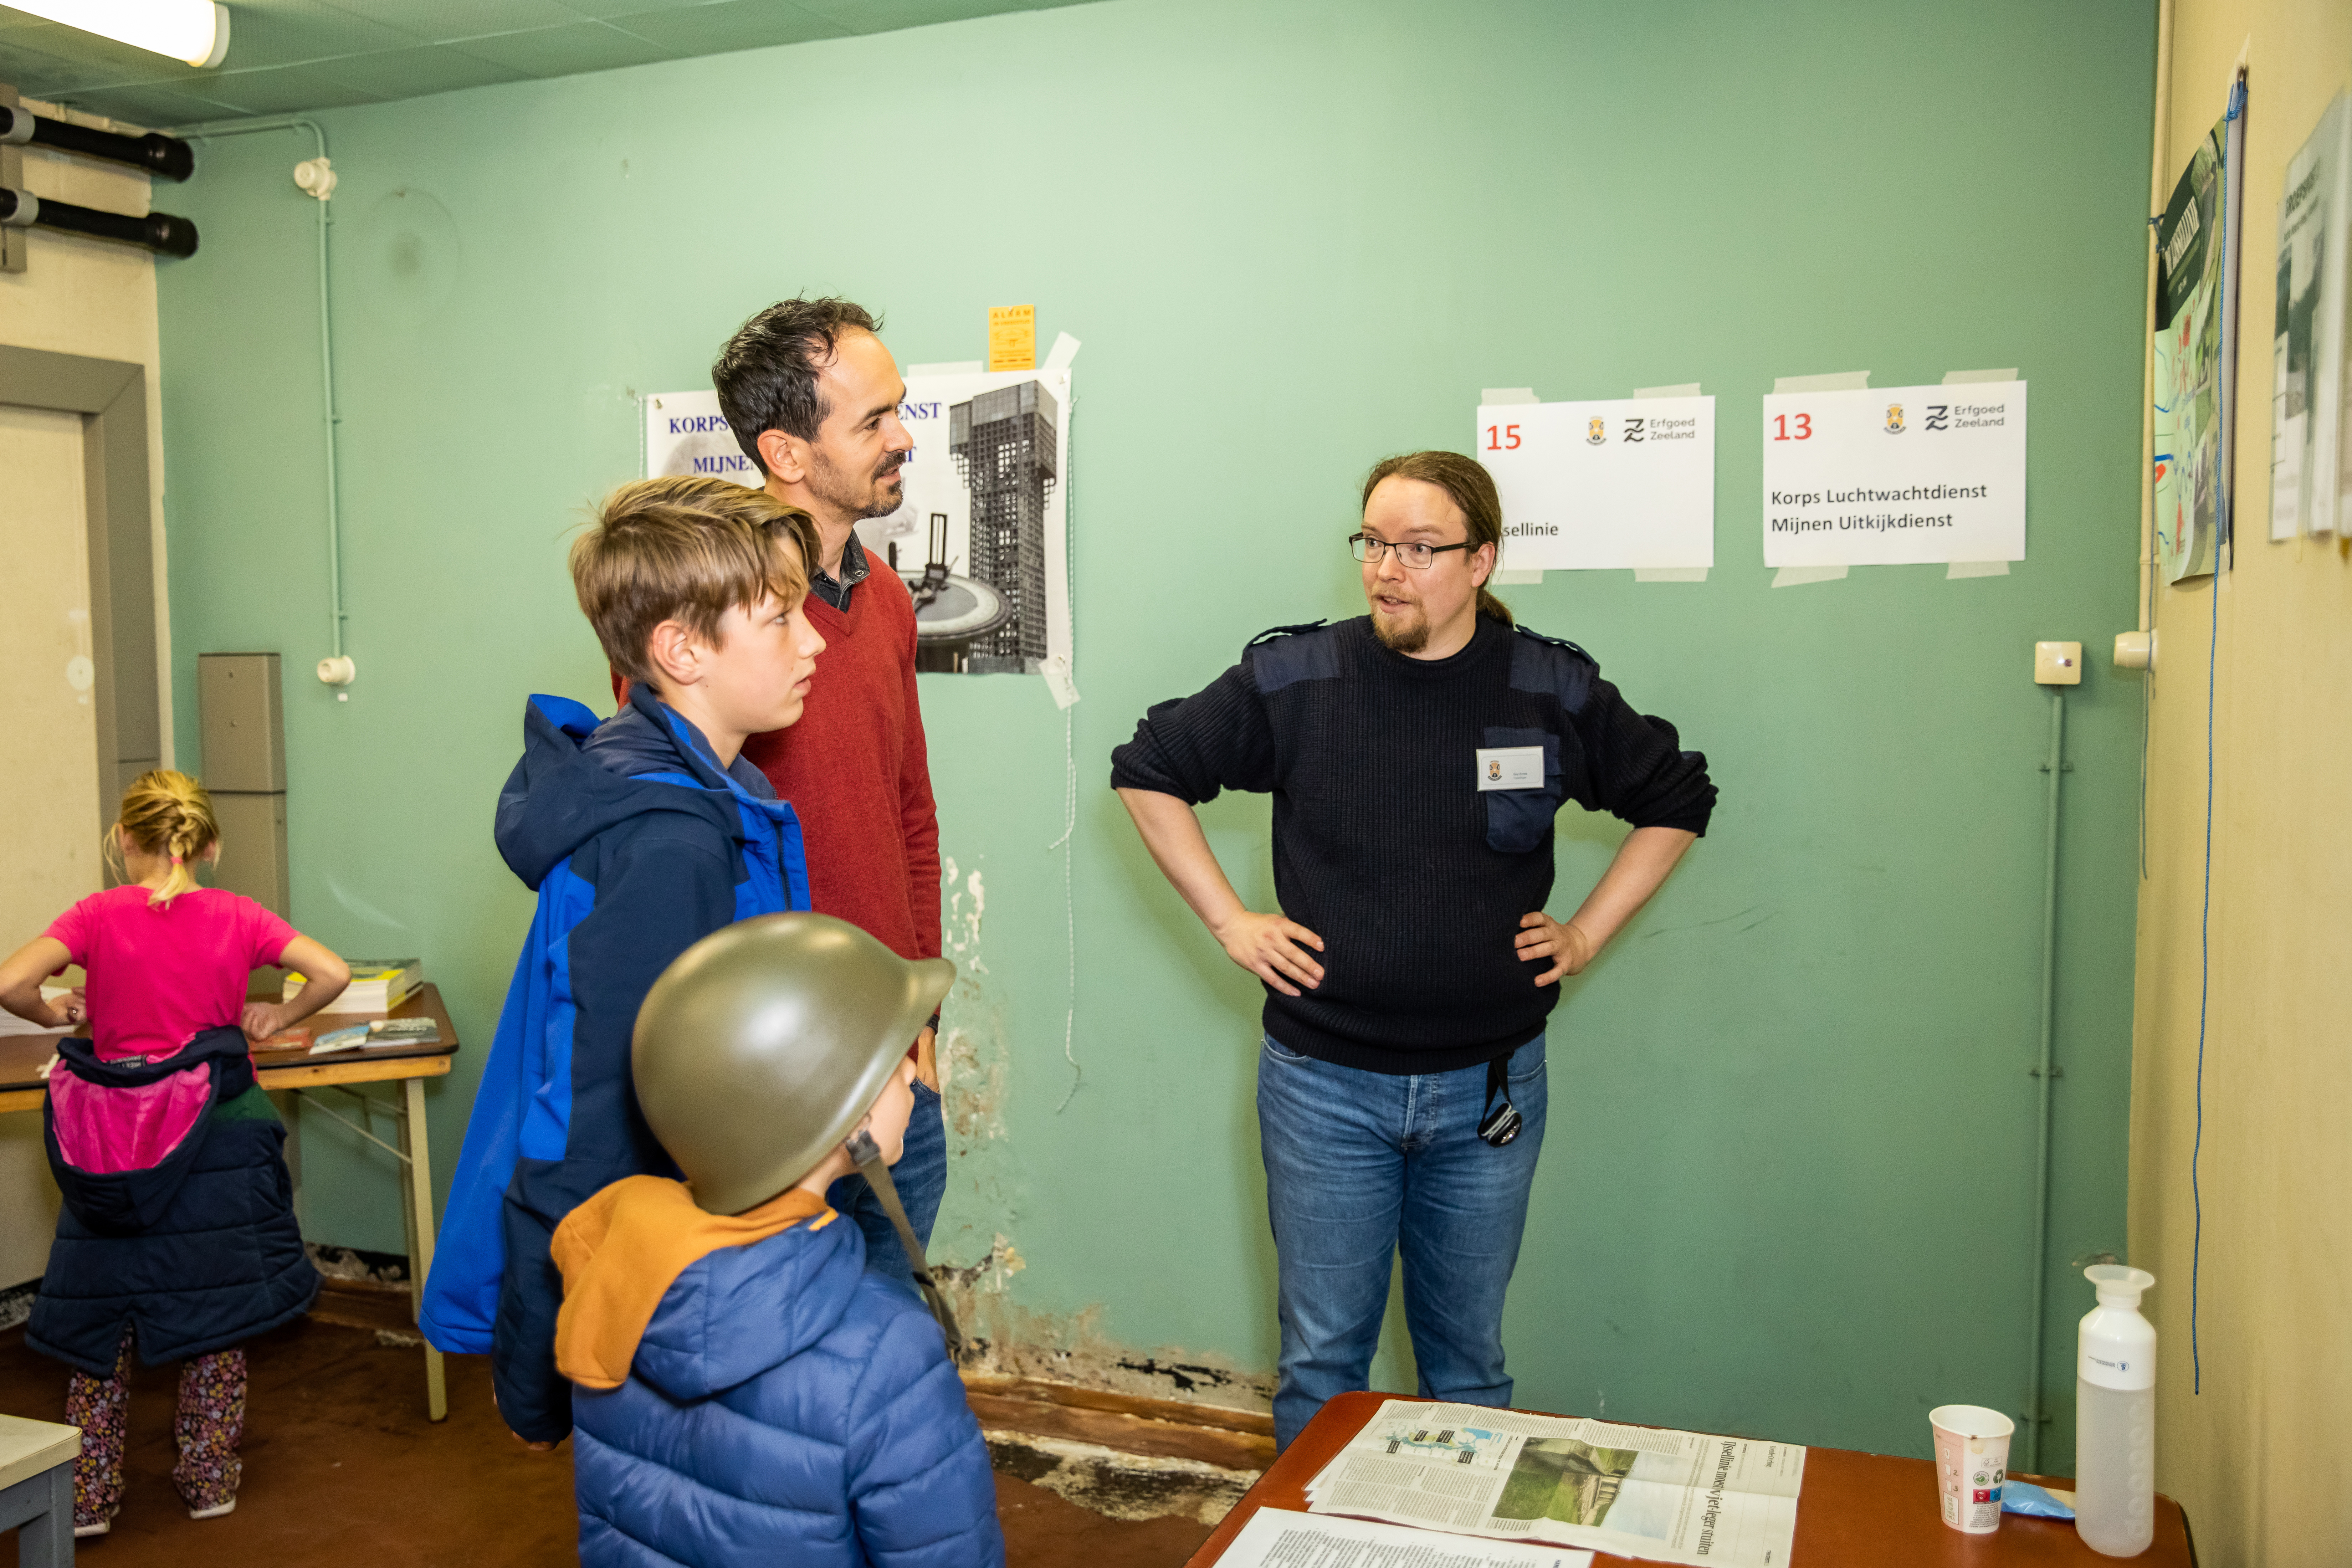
(786, 456)
(675, 653)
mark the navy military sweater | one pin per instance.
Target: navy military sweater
(1383, 843)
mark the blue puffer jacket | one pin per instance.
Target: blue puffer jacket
(786, 1406)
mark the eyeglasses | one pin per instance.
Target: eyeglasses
(1415, 555)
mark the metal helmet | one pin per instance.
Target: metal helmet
(764, 1044)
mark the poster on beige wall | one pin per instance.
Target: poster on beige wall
(2195, 348)
(2308, 336)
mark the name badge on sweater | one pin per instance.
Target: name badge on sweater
(1511, 767)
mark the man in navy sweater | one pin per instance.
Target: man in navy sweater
(1415, 757)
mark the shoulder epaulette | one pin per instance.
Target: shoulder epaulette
(1536, 667)
(1534, 635)
(1272, 632)
(1287, 654)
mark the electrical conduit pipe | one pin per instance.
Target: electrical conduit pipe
(336, 671)
(2035, 1415)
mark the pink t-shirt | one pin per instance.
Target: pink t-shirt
(160, 975)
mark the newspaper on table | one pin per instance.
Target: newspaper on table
(1674, 1497)
(1277, 1538)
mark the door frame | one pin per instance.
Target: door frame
(111, 395)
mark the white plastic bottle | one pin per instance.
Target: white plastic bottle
(2114, 1417)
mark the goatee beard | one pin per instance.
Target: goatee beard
(1411, 637)
(829, 486)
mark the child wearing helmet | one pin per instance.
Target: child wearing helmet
(745, 1391)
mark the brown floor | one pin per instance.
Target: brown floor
(340, 1465)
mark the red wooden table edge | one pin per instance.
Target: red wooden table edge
(1334, 1425)
(1285, 1486)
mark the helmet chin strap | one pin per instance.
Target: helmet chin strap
(877, 1172)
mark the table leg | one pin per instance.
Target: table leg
(46, 1540)
(418, 1193)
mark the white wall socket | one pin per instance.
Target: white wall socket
(2058, 664)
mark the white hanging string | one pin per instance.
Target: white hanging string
(1068, 843)
(1069, 901)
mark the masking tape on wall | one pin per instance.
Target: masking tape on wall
(1835, 381)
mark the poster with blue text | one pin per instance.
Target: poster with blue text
(980, 536)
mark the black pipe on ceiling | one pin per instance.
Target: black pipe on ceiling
(156, 231)
(153, 153)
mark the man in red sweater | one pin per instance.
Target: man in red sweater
(812, 397)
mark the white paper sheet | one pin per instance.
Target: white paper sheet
(1277, 1538)
(1512, 1475)
(1883, 476)
(1604, 485)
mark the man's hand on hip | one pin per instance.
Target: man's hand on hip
(1566, 945)
(1272, 947)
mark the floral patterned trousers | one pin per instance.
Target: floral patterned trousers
(210, 1425)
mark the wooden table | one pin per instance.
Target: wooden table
(1855, 1509)
(297, 1076)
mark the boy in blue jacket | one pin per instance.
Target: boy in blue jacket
(641, 835)
(747, 1393)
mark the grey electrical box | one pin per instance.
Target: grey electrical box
(252, 848)
(242, 717)
(244, 722)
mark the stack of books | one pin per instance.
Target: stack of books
(378, 984)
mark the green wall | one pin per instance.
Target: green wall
(1788, 1183)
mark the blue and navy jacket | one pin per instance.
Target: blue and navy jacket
(784, 1405)
(639, 845)
(200, 1251)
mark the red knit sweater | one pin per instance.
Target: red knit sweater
(856, 773)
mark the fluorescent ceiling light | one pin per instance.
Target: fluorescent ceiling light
(196, 31)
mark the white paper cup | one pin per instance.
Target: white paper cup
(1971, 1463)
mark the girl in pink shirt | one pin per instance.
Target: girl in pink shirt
(157, 1133)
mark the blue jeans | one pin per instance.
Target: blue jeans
(921, 1178)
(1360, 1164)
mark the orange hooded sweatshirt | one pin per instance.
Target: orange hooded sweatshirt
(622, 1251)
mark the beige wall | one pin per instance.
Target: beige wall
(2260, 1458)
(95, 297)
(80, 296)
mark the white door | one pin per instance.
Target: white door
(50, 849)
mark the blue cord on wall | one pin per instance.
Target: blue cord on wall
(2204, 978)
(2221, 511)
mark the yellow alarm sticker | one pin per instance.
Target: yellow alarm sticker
(1012, 337)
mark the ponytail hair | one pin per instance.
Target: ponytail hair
(1472, 489)
(168, 813)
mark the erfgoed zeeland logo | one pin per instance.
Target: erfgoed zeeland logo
(1596, 431)
(1895, 419)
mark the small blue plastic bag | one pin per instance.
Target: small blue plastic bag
(2025, 1498)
